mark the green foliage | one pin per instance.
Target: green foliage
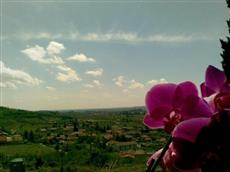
(25, 150)
(226, 51)
(74, 141)
(98, 158)
(21, 120)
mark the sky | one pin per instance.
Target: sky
(101, 54)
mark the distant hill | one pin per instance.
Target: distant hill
(116, 109)
(31, 120)
(23, 119)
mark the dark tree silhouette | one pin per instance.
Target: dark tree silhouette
(226, 51)
(39, 162)
(75, 124)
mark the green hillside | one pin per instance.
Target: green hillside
(90, 140)
(21, 120)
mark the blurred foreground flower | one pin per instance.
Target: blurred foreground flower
(199, 144)
(169, 104)
(203, 143)
(216, 88)
(199, 139)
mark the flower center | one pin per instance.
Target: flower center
(171, 120)
(222, 101)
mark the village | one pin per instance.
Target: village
(120, 136)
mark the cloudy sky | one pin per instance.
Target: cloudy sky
(95, 54)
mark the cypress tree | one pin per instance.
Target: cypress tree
(226, 51)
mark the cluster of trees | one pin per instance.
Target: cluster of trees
(29, 136)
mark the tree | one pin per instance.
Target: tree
(39, 162)
(75, 124)
(31, 136)
(226, 51)
(25, 135)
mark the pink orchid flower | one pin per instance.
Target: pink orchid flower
(168, 104)
(217, 88)
(183, 154)
(168, 160)
(202, 143)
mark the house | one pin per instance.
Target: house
(17, 165)
(146, 138)
(108, 136)
(69, 128)
(122, 146)
(43, 130)
(3, 137)
(126, 155)
(132, 153)
(109, 131)
(53, 129)
(9, 139)
(139, 152)
(17, 138)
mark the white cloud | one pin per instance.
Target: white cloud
(112, 36)
(134, 84)
(89, 86)
(163, 38)
(119, 81)
(97, 83)
(8, 85)
(54, 48)
(133, 37)
(11, 77)
(93, 84)
(64, 68)
(120, 36)
(152, 82)
(163, 80)
(50, 88)
(68, 76)
(32, 36)
(81, 58)
(55, 60)
(38, 54)
(96, 72)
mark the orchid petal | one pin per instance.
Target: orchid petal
(159, 100)
(211, 102)
(169, 156)
(225, 102)
(205, 91)
(214, 78)
(187, 155)
(226, 88)
(151, 123)
(182, 91)
(174, 169)
(154, 156)
(194, 107)
(189, 129)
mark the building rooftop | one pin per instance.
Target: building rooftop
(17, 160)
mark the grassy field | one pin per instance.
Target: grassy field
(25, 150)
(89, 151)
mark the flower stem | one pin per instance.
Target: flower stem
(156, 163)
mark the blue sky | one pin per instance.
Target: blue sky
(96, 54)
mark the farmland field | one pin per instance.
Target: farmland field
(91, 140)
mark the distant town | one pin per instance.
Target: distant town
(96, 140)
